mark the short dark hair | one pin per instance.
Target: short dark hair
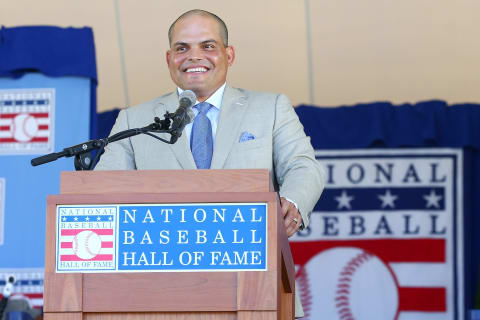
(222, 27)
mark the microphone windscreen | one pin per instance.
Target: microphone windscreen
(190, 96)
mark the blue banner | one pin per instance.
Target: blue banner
(31, 130)
(162, 237)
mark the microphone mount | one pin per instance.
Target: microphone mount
(83, 151)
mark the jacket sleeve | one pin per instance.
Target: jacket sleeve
(300, 176)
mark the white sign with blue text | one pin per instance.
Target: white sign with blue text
(161, 237)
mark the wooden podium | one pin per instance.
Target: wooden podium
(171, 295)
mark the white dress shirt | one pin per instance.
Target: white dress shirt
(216, 101)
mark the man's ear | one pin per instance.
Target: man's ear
(230, 55)
(167, 56)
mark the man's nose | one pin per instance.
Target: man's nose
(195, 53)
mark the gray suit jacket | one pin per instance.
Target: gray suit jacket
(280, 143)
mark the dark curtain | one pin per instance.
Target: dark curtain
(52, 51)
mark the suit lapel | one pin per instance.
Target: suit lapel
(234, 104)
(181, 149)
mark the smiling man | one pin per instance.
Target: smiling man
(199, 54)
(232, 129)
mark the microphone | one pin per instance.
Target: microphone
(183, 115)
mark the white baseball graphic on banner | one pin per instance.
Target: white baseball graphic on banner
(87, 244)
(24, 127)
(345, 283)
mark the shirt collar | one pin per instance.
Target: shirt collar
(215, 99)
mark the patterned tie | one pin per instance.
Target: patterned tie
(201, 141)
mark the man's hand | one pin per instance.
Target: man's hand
(291, 217)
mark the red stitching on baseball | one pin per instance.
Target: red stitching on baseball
(24, 126)
(86, 244)
(305, 292)
(343, 295)
(344, 310)
(75, 244)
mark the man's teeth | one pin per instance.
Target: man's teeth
(197, 70)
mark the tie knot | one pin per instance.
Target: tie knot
(203, 107)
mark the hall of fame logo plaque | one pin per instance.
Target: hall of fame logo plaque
(86, 238)
(385, 239)
(27, 121)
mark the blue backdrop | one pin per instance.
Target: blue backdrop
(42, 58)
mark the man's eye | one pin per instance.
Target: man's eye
(209, 46)
(180, 49)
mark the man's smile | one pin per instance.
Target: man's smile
(196, 69)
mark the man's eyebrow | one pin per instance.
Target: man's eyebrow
(180, 43)
(209, 40)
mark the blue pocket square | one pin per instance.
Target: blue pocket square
(246, 136)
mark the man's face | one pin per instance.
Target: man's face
(198, 59)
